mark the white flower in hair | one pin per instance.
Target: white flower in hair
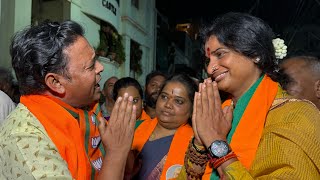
(280, 48)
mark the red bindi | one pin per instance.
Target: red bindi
(208, 52)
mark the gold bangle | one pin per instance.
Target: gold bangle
(203, 151)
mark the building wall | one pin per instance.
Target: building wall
(89, 14)
(139, 25)
(130, 22)
(15, 15)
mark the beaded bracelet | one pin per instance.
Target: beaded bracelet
(223, 159)
(195, 157)
(198, 161)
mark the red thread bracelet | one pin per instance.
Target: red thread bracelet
(223, 159)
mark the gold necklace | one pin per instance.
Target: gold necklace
(153, 136)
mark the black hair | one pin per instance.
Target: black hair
(154, 74)
(6, 82)
(39, 50)
(247, 35)
(188, 83)
(124, 83)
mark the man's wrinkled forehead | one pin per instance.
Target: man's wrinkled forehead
(157, 78)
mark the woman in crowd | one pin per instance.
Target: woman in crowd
(133, 88)
(163, 141)
(260, 131)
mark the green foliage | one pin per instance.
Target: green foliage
(118, 49)
(135, 58)
(103, 44)
(111, 46)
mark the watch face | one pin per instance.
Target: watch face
(219, 148)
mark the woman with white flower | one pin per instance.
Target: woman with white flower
(260, 131)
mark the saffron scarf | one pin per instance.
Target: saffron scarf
(144, 116)
(178, 147)
(71, 130)
(90, 134)
(248, 121)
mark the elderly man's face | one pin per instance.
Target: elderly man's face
(108, 89)
(302, 80)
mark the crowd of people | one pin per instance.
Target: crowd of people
(175, 127)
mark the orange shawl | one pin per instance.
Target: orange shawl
(246, 138)
(177, 148)
(64, 130)
(144, 116)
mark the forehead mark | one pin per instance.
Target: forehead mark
(174, 91)
(208, 52)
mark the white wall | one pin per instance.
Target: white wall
(91, 24)
(138, 25)
(15, 15)
(131, 23)
(110, 69)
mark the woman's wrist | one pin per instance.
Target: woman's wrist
(208, 141)
(219, 161)
(227, 163)
(195, 162)
(198, 146)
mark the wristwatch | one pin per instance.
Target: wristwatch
(219, 148)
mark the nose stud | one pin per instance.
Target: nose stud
(214, 68)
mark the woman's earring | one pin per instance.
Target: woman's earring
(257, 60)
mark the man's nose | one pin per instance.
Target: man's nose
(99, 67)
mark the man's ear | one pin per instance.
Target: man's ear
(317, 88)
(52, 80)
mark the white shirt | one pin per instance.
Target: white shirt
(6, 106)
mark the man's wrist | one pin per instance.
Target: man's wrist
(117, 153)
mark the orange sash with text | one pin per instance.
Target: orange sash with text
(73, 131)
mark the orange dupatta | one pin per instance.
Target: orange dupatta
(246, 138)
(177, 148)
(144, 116)
(63, 129)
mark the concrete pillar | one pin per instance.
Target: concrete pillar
(126, 65)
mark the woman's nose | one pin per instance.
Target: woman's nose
(209, 68)
(212, 66)
(168, 104)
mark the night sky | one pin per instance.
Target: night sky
(290, 19)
